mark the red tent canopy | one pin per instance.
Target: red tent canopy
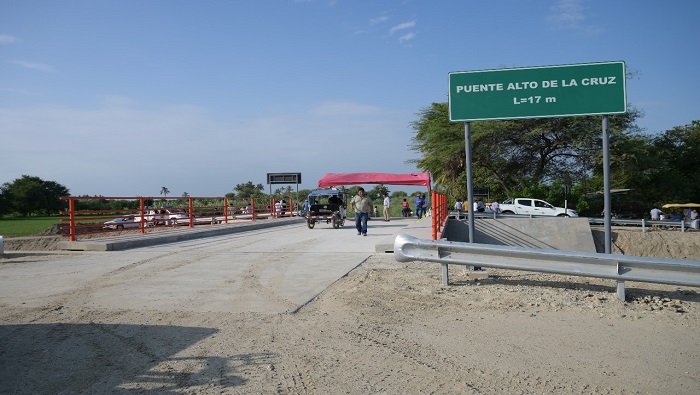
(333, 179)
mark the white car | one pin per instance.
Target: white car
(529, 206)
(164, 216)
(122, 223)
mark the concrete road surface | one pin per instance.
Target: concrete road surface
(272, 270)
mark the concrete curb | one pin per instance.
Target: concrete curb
(142, 240)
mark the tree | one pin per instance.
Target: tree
(248, 190)
(399, 195)
(378, 191)
(675, 171)
(441, 144)
(32, 195)
(511, 155)
(164, 191)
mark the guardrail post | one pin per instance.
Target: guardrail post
(644, 227)
(621, 290)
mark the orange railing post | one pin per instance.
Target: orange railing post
(226, 210)
(142, 211)
(434, 211)
(71, 218)
(190, 208)
(440, 212)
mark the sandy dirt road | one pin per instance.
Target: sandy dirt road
(272, 312)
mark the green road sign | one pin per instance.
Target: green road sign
(537, 92)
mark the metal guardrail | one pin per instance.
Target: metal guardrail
(645, 223)
(615, 267)
(491, 214)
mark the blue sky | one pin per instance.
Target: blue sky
(123, 97)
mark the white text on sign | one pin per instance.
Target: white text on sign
(524, 85)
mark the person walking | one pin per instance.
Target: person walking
(387, 203)
(656, 214)
(362, 205)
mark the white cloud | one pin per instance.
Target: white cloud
(7, 39)
(402, 26)
(407, 37)
(35, 66)
(566, 14)
(378, 20)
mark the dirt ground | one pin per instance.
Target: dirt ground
(385, 328)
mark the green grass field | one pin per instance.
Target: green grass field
(18, 227)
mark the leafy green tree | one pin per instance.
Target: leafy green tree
(352, 190)
(248, 190)
(5, 202)
(512, 155)
(378, 191)
(675, 171)
(399, 195)
(164, 191)
(32, 195)
(441, 145)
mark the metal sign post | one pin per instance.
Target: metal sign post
(285, 178)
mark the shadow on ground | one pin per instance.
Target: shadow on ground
(100, 358)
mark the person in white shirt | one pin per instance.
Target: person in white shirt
(387, 203)
(278, 208)
(656, 213)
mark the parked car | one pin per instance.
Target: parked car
(121, 223)
(529, 206)
(165, 216)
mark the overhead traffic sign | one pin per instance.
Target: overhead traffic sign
(284, 178)
(537, 92)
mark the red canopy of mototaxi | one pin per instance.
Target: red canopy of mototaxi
(334, 179)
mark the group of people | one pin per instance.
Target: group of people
(657, 214)
(479, 206)
(421, 205)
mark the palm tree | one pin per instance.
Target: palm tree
(164, 191)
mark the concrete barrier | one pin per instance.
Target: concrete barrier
(572, 234)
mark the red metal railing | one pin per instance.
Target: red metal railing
(167, 212)
(440, 208)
